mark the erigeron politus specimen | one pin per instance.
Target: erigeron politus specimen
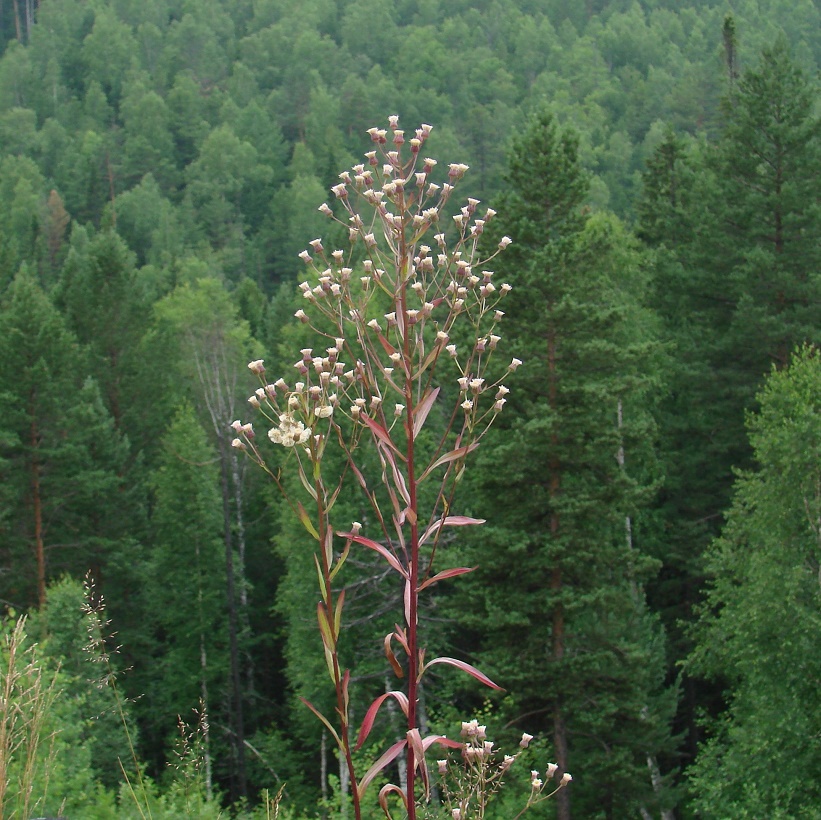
(409, 307)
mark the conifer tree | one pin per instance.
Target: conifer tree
(564, 624)
(61, 456)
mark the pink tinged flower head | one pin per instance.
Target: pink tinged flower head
(551, 770)
(257, 367)
(525, 741)
(504, 242)
(316, 244)
(340, 191)
(451, 349)
(254, 402)
(443, 766)
(514, 364)
(566, 778)
(356, 528)
(238, 444)
(324, 208)
(398, 409)
(393, 121)
(305, 257)
(398, 137)
(301, 315)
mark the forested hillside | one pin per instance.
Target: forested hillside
(646, 584)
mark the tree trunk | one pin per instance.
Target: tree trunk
(37, 508)
(17, 30)
(238, 728)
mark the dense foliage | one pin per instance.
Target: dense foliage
(656, 165)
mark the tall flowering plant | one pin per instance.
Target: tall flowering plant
(407, 320)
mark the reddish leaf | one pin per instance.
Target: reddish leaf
(415, 740)
(453, 455)
(400, 636)
(380, 764)
(420, 412)
(449, 521)
(383, 797)
(400, 673)
(373, 709)
(441, 740)
(466, 667)
(377, 547)
(447, 573)
(382, 434)
(398, 478)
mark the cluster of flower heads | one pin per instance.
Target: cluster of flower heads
(482, 770)
(390, 205)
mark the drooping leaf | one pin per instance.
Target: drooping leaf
(465, 667)
(373, 709)
(377, 547)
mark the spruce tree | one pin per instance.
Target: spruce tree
(563, 623)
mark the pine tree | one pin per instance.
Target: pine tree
(61, 456)
(563, 624)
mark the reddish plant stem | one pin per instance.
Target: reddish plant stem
(412, 516)
(339, 685)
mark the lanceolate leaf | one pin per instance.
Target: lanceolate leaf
(449, 521)
(453, 455)
(324, 720)
(306, 520)
(422, 409)
(466, 667)
(382, 434)
(380, 764)
(377, 547)
(447, 573)
(415, 740)
(373, 709)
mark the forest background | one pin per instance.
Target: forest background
(647, 590)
